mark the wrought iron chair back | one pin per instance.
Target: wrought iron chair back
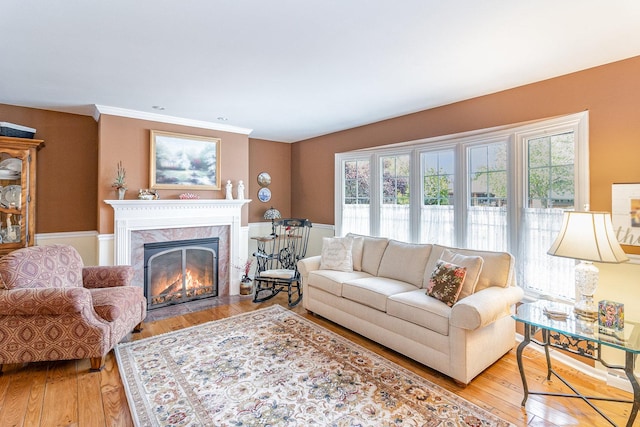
(277, 260)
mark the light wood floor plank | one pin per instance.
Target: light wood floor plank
(114, 399)
(90, 409)
(60, 406)
(16, 400)
(38, 377)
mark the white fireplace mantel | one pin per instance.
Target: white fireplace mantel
(135, 215)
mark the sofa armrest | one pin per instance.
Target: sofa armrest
(484, 307)
(43, 301)
(107, 276)
(306, 265)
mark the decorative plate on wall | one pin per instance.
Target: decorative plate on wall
(264, 194)
(264, 179)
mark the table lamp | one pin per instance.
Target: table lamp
(272, 214)
(588, 237)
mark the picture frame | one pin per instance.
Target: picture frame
(184, 162)
(625, 213)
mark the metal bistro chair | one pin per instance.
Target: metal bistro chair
(277, 260)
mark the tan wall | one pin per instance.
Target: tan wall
(128, 140)
(275, 159)
(66, 169)
(611, 93)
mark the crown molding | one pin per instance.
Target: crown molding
(161, 118)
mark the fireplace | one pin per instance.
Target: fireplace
(139, 222)
(180, 271)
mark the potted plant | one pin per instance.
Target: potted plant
(119, 183)
(246, 284)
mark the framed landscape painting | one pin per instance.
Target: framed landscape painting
(186, 162)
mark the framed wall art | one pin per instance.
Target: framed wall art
(184, 162)
(625, 213)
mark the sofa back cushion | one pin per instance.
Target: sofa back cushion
(473, 264)
(497, 267)
(404, 261)
(372, 251)
(356, 251)
(51, 266)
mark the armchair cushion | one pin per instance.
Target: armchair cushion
(107, 276)
(52, 266)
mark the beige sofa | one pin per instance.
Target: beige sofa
(384, 298)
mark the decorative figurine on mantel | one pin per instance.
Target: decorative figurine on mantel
(119, 183)
(146, 194)
(240, 190)
(229, 187)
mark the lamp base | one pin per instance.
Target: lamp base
(586, 284)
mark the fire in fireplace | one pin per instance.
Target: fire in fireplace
(179, 271)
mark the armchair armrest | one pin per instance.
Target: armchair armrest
(307, 265)
(44, 301)
(107, 276)
(485, 306)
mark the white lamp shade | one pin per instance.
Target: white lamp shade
(588, 236)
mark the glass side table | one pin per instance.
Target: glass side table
(578, 337)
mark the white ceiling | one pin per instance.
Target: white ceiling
(295, 69)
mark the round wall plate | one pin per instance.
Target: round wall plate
(264, 194)
(264, 179)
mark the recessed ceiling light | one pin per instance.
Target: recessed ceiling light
(158, 107)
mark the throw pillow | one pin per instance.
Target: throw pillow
(446, 282)
(336, 254)
(473, 264)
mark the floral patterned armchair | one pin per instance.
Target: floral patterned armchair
(54, 308)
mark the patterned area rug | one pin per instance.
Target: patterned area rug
(272, 367)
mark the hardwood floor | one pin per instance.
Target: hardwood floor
(66, 394)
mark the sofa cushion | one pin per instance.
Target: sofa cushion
(419, 308)
(473, 264)
(336, 254)
(374, 291)
(356, 251)
(111, 303)
(405, 262)
(331, 280)
(446, 282)
(497, 267)
(372, 250)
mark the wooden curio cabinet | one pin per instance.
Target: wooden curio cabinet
(17, 192)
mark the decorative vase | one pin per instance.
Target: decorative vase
(121, 192)
(246, 286)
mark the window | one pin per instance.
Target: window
(438, 191)
(394, 185)
(355, 206)
(487, 196)
(550, 189)
(503, 189)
